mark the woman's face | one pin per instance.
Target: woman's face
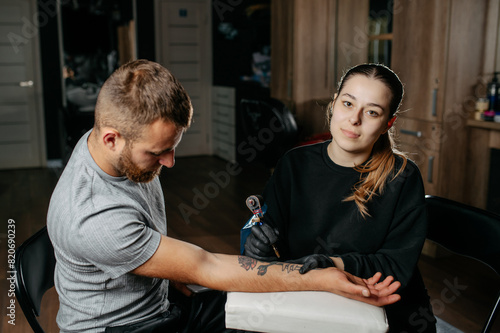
(360, 116)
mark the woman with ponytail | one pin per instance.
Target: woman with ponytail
(354, 202)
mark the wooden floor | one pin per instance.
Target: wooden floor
(205, 200)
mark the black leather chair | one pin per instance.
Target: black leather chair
(272, 124)
(467, 231)
(35, 264)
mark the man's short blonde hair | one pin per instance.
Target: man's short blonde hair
(139, 93)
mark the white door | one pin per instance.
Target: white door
(22, 135)
(183, 35)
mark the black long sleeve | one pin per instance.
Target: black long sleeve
(305, 198)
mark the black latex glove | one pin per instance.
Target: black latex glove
(258, 243)
(313, 261)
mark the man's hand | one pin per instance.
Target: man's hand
(369, 291)
(259, 243)
(181, 287)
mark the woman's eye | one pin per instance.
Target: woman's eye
(372, 113)
(348, 104)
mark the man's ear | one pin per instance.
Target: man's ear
(112, 139)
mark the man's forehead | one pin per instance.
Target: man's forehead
(160, 136)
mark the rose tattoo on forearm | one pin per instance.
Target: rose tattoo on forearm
(249, 264)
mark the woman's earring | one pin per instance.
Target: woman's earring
(391, 122)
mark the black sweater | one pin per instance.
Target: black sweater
(305, 202)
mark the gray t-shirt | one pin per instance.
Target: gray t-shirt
(102, 227)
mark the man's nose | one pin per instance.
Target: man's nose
(168, 159)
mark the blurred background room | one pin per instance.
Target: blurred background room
(249, 64)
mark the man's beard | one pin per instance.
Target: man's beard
(132, 171)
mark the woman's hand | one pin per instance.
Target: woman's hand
(369, 291)
(313, 261)
(384, 288)
(259, 243)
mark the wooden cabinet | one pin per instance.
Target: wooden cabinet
(483, 137)
(437, 52)
(312, 42)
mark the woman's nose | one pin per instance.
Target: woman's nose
(355, 118)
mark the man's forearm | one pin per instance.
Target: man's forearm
(187, 263)
(241, 273)
(252, 275)
(190, 264)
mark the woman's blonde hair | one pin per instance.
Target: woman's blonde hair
(375, 173)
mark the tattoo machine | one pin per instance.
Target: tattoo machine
(254, 203)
